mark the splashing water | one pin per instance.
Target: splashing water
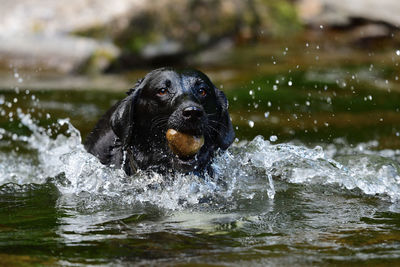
(248, 171)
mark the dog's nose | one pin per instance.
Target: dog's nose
(192, 112)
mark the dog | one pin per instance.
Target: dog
(133, 134)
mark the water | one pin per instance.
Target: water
(269, 203)
(313, 177)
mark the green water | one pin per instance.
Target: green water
(349, 105)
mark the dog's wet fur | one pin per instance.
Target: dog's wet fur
(132, 134)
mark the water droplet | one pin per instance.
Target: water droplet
(266, 114)
(251, 124)
(290, 83)
(251, 92)
(398, 52)
(275, 87)
(308, 103)
(398, 134)
(273, 138)
(321, 26)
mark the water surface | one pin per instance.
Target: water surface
(313, 177)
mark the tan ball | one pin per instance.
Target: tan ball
(184, 145)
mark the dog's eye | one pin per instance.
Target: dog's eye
(162, 91)
(202, 92)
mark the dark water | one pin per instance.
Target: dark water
(322, 186)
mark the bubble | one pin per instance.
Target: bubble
(290, 83)
(266, 114)
(273, 138)
(398, 52)
(329, 100)
(251, 123)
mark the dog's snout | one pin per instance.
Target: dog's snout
(192, 112)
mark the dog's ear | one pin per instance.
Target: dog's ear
(123, 118)
(226, 134)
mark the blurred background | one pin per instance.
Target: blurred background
(310, 70)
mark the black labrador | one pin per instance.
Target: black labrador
(132, 134)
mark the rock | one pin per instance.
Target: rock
(157, 37)
(87, 35)
(39, 33)
(341, 13)
(55, 53)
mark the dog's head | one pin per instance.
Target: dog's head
(173, 120)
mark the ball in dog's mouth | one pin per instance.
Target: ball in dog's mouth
(184, 145)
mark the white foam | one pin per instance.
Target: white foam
(248, 170)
